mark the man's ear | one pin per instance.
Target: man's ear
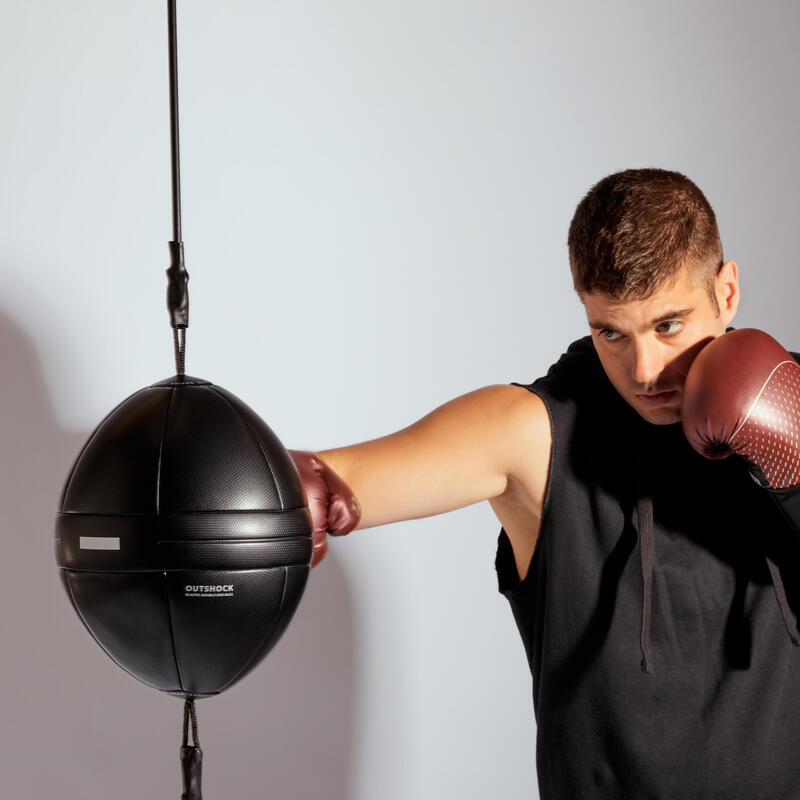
(726, 289)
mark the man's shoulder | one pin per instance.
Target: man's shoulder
(516, 403)
(509, 408)
(520, 417)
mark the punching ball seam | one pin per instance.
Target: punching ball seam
(171, 629)
(266, 635)
(258, 444)
(86, 445)
(161, 455)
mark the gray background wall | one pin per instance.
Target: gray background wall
(376, 200)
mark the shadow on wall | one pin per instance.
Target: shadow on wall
(74, 725)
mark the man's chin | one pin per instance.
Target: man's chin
(663, 415)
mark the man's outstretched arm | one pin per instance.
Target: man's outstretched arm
(475, 447)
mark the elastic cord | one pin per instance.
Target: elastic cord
(191, 756)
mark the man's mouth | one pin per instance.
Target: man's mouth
(657, 398)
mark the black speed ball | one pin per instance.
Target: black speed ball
(183, 537)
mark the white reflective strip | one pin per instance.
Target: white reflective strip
(99, 542)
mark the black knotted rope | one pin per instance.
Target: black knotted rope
(191, 756)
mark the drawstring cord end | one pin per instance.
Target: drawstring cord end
(789, 618)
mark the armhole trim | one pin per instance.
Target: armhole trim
(548, 482)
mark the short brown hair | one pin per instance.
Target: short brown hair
(635, 230)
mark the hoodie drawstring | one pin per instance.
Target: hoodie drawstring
(644, 512)
(789, 618)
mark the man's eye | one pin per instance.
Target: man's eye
(608, 335)
(677, 327)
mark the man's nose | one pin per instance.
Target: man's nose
(648, 363)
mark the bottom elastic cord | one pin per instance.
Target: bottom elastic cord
(191, 756)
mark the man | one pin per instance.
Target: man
(647, 581)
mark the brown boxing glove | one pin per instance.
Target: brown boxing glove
(333, 506)
(742, 395)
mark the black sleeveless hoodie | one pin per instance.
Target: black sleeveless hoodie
(656, 624)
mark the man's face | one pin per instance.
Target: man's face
(647, 346)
